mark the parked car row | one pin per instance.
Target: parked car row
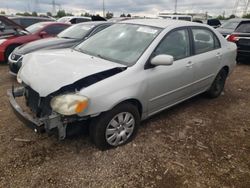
(238, 31)
(34, 32)
(65, 39)
(14, 31)
(114, 75)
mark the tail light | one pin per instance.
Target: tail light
(233, 38)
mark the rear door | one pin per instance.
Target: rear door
(207, 55)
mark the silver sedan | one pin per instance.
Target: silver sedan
(121, 76)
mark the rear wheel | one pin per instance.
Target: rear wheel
(218, 84)
(115, 127)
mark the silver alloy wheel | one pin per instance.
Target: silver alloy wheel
(120, 128)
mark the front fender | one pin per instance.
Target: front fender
(106, 94)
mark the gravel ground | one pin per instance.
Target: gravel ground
(199, 143)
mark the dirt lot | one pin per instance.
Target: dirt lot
(199, 143)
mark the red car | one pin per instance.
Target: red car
(31, 33)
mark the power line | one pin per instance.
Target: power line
(241, 6)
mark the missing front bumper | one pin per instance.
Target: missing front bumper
(39, 125)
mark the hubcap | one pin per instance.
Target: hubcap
(120, 128)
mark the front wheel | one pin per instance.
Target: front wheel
(218, 85)
(115, 127)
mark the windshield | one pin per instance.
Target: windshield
(36, 27)
(78, 31)
(121, 43)
(230, 24)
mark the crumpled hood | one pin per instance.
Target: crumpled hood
(47, 43)
(48, 71)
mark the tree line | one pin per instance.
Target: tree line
(62, 13)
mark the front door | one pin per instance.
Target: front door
(168, 85)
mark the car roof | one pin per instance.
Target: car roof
(239, 19)
(94, 23)
(76, 17)
(52, 22)
(161, 23)
(31, 17)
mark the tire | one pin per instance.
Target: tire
(9, 50)
(108, 131)
(218, 85)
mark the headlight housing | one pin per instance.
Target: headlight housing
(69, 104)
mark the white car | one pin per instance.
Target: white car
(122, 75)
(74, 19)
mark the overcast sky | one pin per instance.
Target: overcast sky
(134, 7)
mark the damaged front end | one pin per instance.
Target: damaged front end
(40, 115)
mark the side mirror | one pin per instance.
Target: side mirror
(162, 60)
(42, 34)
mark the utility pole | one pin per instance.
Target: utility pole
(103, 8)
(175, 7)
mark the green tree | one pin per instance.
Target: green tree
(86, 14)
(49, 14)
(69, 14)
(2, 12)
(26, 14)
(60, 13)
(34, 13)
(232, 16)
(123, 15)
(109, 15)
(220, 17)
(246, 16)
(129, 15)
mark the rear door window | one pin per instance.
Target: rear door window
(204, 40)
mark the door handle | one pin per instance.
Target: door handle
(189, 64)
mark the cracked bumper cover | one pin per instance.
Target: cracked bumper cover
(39, 125)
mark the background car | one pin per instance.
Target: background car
(80, 19)
(241, 36)
(27, 21)
(66, 39)
(9, 28)
(215, 23)
(122, 75)
(34, 32)
(229, 26)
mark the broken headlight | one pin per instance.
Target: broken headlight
(69, 104)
